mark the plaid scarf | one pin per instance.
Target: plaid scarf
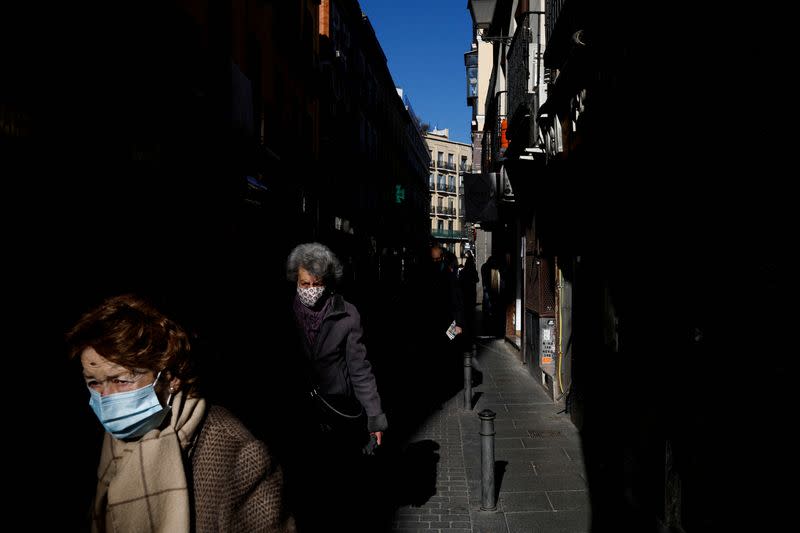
(141, 485)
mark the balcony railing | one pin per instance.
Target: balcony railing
(525, 81)
(553, 9)
(460, 234)
(524, 62)
(445, 210)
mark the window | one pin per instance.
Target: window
(450, 161)
(451, 184)
(472, 82)
(450, 207)
(440, 159)
(440, 226)
(439, 202)
(463, 166)
(471, 64)
(431, 181)
(450, 226)
(441, 181)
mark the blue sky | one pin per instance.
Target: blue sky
(424, 42)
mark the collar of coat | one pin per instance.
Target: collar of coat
(337, 305)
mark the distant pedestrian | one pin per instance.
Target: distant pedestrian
(445, 304)
(492, 282)
(467, 283)
(486, 284)
(442, 312)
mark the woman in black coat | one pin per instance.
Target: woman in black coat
(349, 419)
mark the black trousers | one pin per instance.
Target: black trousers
(340, 489)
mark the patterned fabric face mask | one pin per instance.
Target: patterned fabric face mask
(309, 296)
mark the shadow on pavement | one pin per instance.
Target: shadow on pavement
(413, 473)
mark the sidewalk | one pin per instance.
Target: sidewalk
(539, 467)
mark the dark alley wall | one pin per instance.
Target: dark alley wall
(681, 218)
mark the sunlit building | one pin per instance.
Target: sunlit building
(449, 161)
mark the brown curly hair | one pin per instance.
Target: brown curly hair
(131, 332)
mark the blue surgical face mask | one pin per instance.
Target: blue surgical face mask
(130, 414)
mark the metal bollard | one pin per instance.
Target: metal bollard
(467, 380)
(488, 500)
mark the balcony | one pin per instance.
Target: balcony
(526, 85)
(564, 18)
(497, 117)
(455, 234)
(524, 64)
(554, 9)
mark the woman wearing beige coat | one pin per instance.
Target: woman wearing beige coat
(169, 460)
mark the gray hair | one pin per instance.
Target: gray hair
(318, 259)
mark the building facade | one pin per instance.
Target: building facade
(449, 161)
(576, 113)
(369, 197)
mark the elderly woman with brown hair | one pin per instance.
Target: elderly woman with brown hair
(169, 461)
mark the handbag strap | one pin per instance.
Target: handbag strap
(315, 394)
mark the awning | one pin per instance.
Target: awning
(480, 197)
